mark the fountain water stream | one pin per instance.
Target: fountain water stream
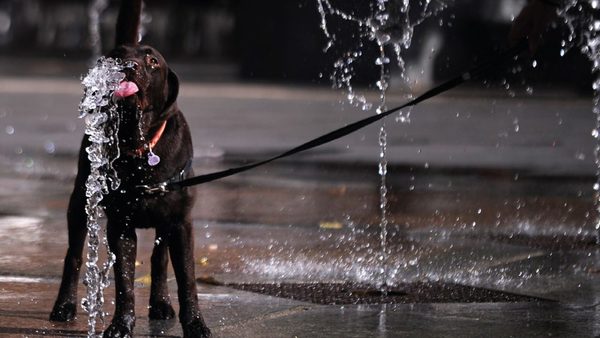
(389, 26)
(102, 121)
(582, 17)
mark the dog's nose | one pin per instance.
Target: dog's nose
(132, 64)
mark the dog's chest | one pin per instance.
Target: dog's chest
(137, 209)
(132, 205)
(134, 170)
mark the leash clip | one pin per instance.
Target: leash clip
(153, 189)
(169, 185)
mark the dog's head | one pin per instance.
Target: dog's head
(157, 89)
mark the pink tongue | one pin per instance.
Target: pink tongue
(126, 89)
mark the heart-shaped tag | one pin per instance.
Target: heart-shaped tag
(153, 159)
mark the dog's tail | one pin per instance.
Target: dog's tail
(128, 22)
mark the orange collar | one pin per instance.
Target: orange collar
(139, 151)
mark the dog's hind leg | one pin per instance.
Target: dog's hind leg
(181, 247)
(160, 302)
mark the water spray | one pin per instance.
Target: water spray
(582, 18)
(102, 121)
(390, 25)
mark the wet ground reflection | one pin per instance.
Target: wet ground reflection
(317, 222)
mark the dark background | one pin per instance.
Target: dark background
(273, 40)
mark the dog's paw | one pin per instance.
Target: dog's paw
(196, 329)
(63, 312)
(161, 311)
(120, 328)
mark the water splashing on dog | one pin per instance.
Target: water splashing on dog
(102, 121)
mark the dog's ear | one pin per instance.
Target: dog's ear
(171, 90)
(128, 23)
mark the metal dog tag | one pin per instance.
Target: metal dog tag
(153, 159)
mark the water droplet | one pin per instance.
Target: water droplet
(10, 130)
(529, 90)
(49, 147)
(382, 61)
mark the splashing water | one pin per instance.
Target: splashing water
(582, 17)
(102, 121)
(390, 25)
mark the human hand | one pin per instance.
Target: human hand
(531, 23)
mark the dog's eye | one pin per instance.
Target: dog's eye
(152, 61)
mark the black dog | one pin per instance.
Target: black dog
(164, 131)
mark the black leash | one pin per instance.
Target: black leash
(493, 63)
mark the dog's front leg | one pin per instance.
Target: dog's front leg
(181, 247)
(66, 303)
(65, 306)
(160, 302)
(122, 241)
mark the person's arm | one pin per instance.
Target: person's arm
(533, 21)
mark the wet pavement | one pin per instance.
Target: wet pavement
(485, 190)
